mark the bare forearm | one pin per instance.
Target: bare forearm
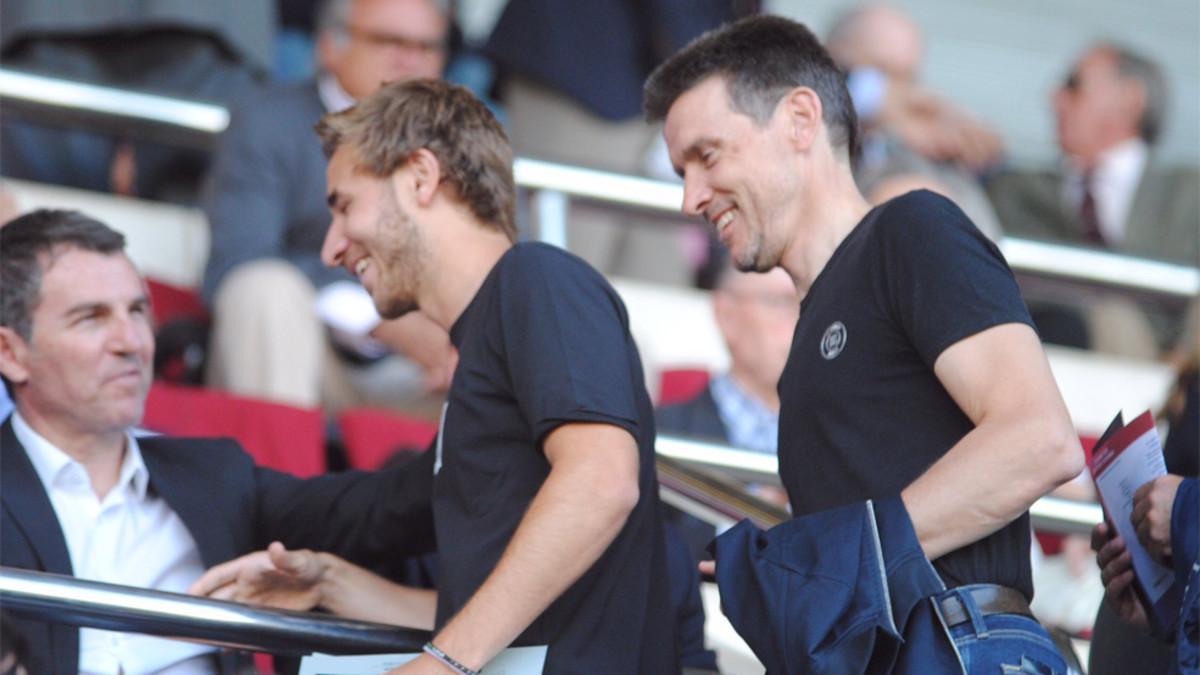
(569, 525)
(986, 481)
(353, 592)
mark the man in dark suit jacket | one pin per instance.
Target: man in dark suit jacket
(1109, 192)
(265, 203)
(756, 314)
(82, 495)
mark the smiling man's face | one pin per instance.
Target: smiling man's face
(373, 236)
(87, 364)
(737, 174)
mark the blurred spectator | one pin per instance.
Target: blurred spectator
(910, 134)
(756, 314)
(198, 50)
(1109, 191)
(571, 77)
(279, 314)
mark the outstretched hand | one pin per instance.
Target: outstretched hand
(276, 577)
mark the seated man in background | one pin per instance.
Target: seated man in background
(83, 496)
(756, 314)
(286, 328)
(1109, 192)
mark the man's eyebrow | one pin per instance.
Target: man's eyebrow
(84, 308)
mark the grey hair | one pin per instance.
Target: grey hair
(334, 16)
(1133, 65)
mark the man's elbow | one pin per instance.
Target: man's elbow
(616, 496)
(1062, 457)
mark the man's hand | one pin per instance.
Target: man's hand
(1152, 504)
(1116, 571)
(938, 129)
(276, 577)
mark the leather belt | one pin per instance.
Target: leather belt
(989, 598)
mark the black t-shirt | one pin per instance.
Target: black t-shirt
(546, 342)
(862, 412)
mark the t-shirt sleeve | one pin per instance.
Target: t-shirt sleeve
(566, 344)
(943, 279)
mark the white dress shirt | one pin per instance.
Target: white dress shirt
(129, 537)
(1114, 184)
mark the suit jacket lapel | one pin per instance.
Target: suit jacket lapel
(26, 501)
(195, 499)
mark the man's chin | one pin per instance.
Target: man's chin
(396, 310)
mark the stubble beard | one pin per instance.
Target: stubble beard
(404, 262)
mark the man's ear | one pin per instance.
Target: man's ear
(804, 116)
(14, 356)
(426, 173)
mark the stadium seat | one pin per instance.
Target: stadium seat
(171, 302)
(277, 436)
(681, 384)
(372, 436)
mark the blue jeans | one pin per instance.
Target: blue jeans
(1003, 643)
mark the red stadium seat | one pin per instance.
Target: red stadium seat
(681, 384)
(277, 436)
(171, 302)
(372, 436)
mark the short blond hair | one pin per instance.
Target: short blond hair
(387, 127)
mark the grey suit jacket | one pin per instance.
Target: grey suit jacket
(265, 192)
(229, 506)
(1164, 220)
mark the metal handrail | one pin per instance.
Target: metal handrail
(1048, 514)
(53, 100)
(196, 123)
(93, 604)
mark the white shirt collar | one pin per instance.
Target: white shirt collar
(1115, 181)
(52, 464)
(333, 97)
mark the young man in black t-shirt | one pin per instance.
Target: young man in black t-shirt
(914, 369)
(544, 488)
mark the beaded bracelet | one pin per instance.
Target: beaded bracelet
(432, 650)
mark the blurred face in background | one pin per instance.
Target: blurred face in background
(1096, 108)
(385, 41)
(757, 316)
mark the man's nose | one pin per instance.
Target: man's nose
(334, 247)
(696, 195)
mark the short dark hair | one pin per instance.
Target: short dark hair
(387, 127)
(761, 58)
(27, 245)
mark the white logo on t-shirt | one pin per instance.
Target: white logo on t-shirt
(834, 340)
